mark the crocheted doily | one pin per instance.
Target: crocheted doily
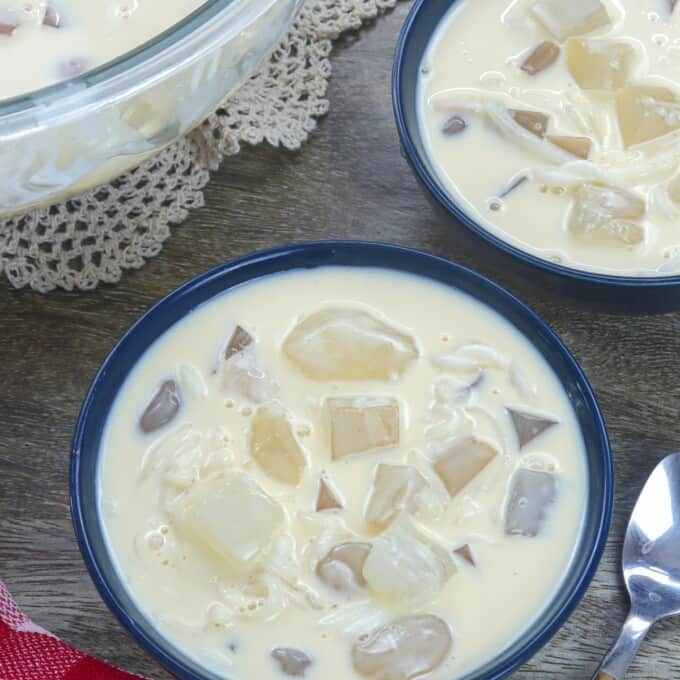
(96, 236)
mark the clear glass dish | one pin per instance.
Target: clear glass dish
(72, 136)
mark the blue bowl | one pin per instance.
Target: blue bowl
(638, 295)
(111, 376)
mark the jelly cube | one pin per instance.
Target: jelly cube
(532, 494)
(462, 462)
(565, 18)
(349, 344)
(405, 565)
(361, 424)
(600, 64)
(645, 112)
(274, 446)
(234, 517)
(606, 214)
(394, 490)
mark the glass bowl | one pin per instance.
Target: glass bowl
(79, 133)
(527, 272)
(114, 371)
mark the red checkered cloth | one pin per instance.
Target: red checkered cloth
(27, 652)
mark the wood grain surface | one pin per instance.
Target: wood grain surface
(349, 181)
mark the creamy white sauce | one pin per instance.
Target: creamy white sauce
(88, 33)
(475, 56)
(188, 592)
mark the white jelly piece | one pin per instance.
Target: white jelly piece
(600, 64)
(394, 490)
(234, 517)
(532, 494)
(243, 376)
(565, 18)
(646, 112)
(274, 446)
(349, 344)
(602, 214)
(405, 565)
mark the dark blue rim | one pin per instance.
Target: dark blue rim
(360, 253)
(433, 185)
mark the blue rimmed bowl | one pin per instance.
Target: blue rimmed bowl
(172, 309)
(624, 294)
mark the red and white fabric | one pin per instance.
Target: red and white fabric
(27, 652)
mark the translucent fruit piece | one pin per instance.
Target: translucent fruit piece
(292, 662)
(605, 214)
(621, 231)
(405, 565)
(342, 567)
(360, 424)
(576, 146)
(349, 344)
(235, 518)
(543, 56)
(327, 499)
(529, 425)
(645, 112)
(406, 648)
(532, 493)
(239, 340)
(462, 462)
(242, 374)
(573, 17)
(274, 446)
(465, 553)
(162, 408)
(600, 64)
(394, 490)
(533, 121)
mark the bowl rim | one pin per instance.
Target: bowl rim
(138, 69)
(278, 257)
(432, 184)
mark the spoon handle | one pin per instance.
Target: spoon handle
(619, 657)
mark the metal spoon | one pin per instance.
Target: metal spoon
(651, 564)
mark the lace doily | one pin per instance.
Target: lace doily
(94, 237)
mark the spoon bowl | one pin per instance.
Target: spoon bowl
(651, 564)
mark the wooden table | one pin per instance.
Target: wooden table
(348, 181)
